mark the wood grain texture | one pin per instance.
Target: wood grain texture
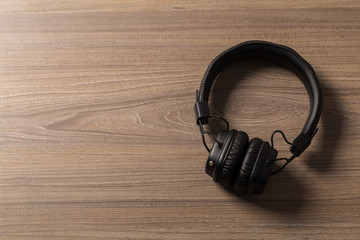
(97, 131)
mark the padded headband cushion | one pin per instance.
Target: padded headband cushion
(284, 56)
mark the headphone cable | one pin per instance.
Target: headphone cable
(288, 160)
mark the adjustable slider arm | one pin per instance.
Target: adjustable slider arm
(300, 143)
(202, 111)
(202, 115)
(297, 147)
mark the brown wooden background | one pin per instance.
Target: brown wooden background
(97, 132)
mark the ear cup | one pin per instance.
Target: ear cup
(243, 180)
(234, 159)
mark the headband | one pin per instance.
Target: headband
(279, 54)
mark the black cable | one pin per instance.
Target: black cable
(203, 136)
(282, 133)
(288, 160)
(204, 132)
(221, 118)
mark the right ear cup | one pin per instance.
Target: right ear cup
(234, 159)
(243, 180)
(256, 167)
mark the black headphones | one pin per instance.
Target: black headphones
(234, 161)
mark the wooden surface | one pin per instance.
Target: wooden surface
(97, 131)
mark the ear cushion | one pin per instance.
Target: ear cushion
(243, 180)
(234, 159)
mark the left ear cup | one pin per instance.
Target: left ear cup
(233, 160)
(243, 180)
(225, 156)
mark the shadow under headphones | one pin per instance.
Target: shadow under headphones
(234, 161)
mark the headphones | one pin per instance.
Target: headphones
(234, 161)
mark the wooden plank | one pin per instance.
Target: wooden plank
(97, 131)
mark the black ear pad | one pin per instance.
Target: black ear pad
(256, 167)
(218, 166)
(246, 169)
(218, 153)
(234, 159)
